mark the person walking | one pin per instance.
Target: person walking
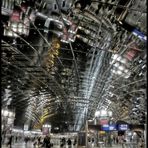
(46, 142)
(69, 142)
(10, 141)
(75, 142)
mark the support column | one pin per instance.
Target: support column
(145, 136)
(86, 130)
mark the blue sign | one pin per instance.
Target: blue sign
(122, 127)
(112, 127)
(107, 127)
(139, 34)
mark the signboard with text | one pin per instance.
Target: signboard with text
(122, 127)
(108, 127)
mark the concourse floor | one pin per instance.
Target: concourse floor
(30, 145)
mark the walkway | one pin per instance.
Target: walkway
(30, 145)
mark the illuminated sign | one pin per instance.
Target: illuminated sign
(107, 127)
(122, 127)
(139, 34)
(103, 121)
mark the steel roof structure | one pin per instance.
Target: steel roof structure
(62, 60)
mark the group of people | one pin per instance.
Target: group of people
(36, 141)
(45, 143)
(69, 142)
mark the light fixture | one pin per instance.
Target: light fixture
(90, 120)
(116, 64)
(10, 114)
(97, 113)
(113, 71)
(143, 66)
(127, 76)
(126, 70)
(124, 61)
(5, 113)
(47, 125)
(119, 58)
(109, 113)
(119, 72)
(121, 67)
(103, 112)
(115, 56)
(140, 61)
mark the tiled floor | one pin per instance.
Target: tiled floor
(30, 145)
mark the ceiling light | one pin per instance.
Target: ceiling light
(110, 113)
(116, 64)
(115, 56)
(97, 113)
(127, 76)
(121, 67)
(126, 70)
(143, 66)
(119, 58)
(90, 120)
(113, 71)
(123, 61)
(103, 112)
(119, 72)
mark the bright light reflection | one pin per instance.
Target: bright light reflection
(121, 67)
(97, 113)
(119, 72)
(113, 71)
(126, 70)
(115, 56)
(110, 113)
(103, 112)
(5, 113)
(116, 64)
(123, 61)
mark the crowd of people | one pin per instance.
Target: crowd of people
(46, 142)
(63, 142)
(39, 141)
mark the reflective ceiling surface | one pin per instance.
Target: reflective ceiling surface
(62, 60)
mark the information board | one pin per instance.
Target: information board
(122, 127)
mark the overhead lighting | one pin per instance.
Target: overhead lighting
(110, 113)
(116, 64)
(124, 61)
(90, 120)
(119, 58)
(5, 113)
(97, 113)
(143, 66)
(119, 72)
(113, 71)
(116, 57)
(126, 70)
(103, 112)
(127, 76)
(140, 74)
(121, 67)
